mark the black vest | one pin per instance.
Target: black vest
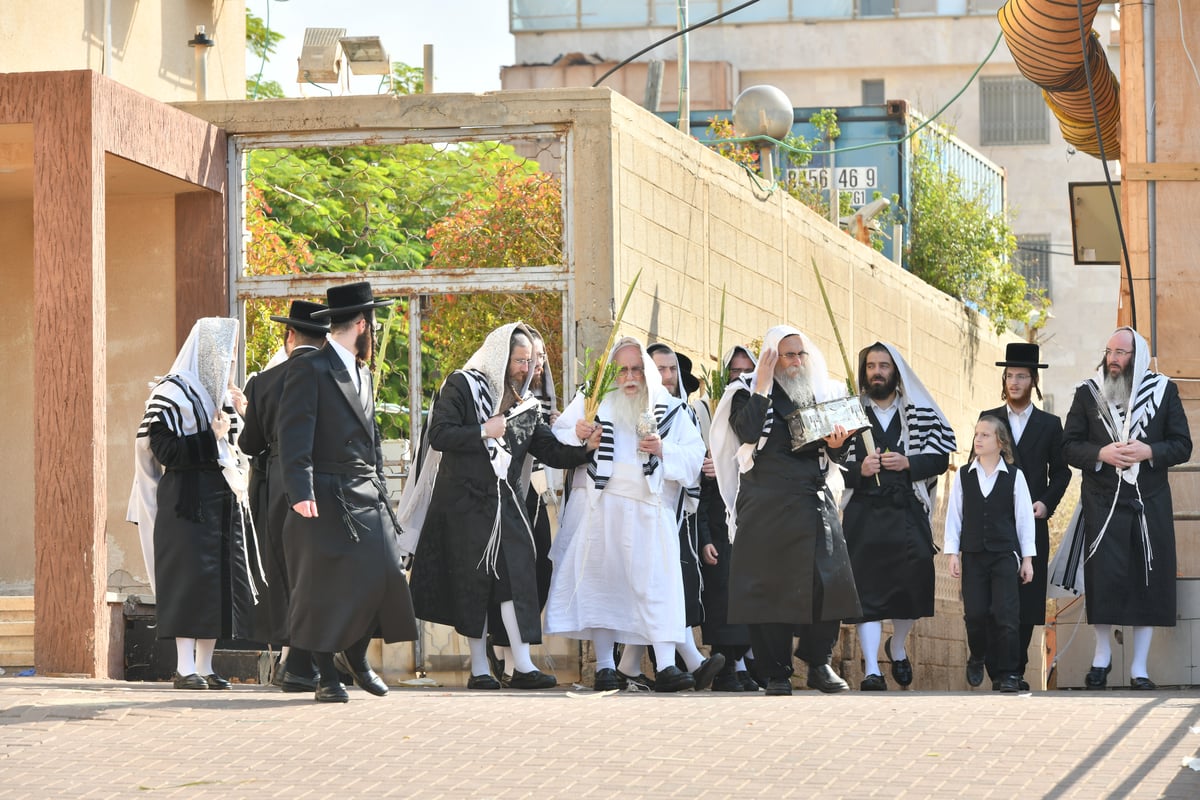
(989, 523)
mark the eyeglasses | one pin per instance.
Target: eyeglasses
(796, 356)
(624, 371)
(1118, 353)
(524, 362)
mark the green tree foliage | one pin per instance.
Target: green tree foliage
(515, 220)
(959, 246)
(261, 41)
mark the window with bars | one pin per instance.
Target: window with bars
(1032, 260)
(1012, 111)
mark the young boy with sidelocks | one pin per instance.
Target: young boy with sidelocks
(989, 532)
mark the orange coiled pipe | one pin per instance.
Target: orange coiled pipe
(1043, 37)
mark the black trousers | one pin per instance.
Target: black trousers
(992, 610)
(772, 644)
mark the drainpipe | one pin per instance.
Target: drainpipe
(201, 44)
(1151, 185)
(107, 62)
(685, 103)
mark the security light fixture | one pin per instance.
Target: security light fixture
(319, 61)
(366, 55)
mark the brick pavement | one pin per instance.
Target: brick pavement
(75, 738)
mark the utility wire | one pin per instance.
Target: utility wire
(674, 35)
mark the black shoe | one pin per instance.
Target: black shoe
(822, 678)
(708, 670)
(673, 679)
(367, 679)
(1097, 677)
(728, 682)
(192, 681)
(215, 681)
(1010, 684)
(1024, 683)
(482, 682)
(747, 681)
(532, 680)
(974, 671)
(331, 693)
(1142, 684)
(641, 679)
(778, 687)
(294, 683)
(873, 683)
(494, 661)
(902, 672)
(277, 670)
(606, 680)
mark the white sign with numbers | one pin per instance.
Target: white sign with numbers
(855, 181)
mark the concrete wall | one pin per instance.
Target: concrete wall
(924, 60)
(150, 51)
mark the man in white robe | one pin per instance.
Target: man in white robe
(616, 558)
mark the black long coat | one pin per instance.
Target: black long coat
(202, 588)
(1039, 456)
(1118, 590)
(789, 563)
(268, 502)
(451, 581)
(344, 565)
(888, 532)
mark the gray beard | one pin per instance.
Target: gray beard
(794, 382)
(627, 410)
(1117, 390)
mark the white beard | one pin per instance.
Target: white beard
(1116, 390)
(626, 409)
(794, 382)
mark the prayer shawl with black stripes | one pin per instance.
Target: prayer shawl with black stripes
(183, 402)
(924, 429)
(1146, 396)
(600, 468)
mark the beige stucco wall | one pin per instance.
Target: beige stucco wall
(149, 42)
(16, 398)
(140, 295)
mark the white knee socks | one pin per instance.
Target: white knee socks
(521, 662)
(691, 654)
(204, 656)
(185, 656)
(479, 659)
(664, 655)
(900, 631)
(1142, 634)
(1103, 655)
(631, 660)
(869, 634)
(603, 642)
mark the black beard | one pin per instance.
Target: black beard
(363, 345)
(882, 391)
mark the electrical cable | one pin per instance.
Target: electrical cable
(674, 35)
(1087, 73)
(266, 44)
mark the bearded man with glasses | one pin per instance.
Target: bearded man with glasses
(1126, 427)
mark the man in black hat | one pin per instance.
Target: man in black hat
(343, 562)
(1038, 437)
(267, 498)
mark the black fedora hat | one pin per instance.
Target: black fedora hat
(1022, 354)
(348, 301)
(300, 317)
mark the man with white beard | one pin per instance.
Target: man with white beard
(790, 573)
(1125, 428)
(616, 557)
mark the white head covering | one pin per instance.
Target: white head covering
(186, 400)
(654, 386)
(730, 456)
(491, 362)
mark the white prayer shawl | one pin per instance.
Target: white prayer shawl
(485, 373)
(1124, 425)
(924, 429)
(183, 401)
(616, 556)
(730, 456)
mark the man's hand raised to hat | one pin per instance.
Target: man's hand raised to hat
(764, 373)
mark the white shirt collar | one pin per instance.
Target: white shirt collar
(1012, 412)
(975, 465)
(347, 358)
